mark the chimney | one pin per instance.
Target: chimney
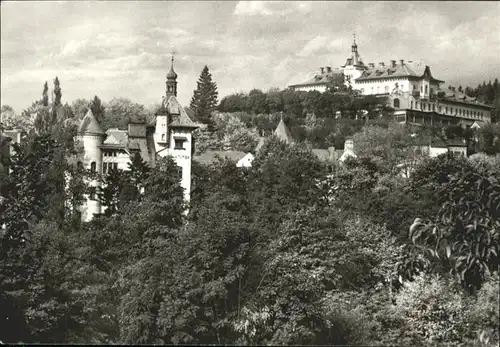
(393, 63)
(402, 62)
(381, 64)
(322, 69)
(328, 69)
(371, 65)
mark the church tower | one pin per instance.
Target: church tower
(173, 132)
(171, 81)
(354, 66)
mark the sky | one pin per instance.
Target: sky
(123, 48)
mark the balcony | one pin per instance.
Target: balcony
(415, 94)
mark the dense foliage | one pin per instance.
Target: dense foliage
(290, 251)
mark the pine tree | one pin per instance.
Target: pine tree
(45, 94)
(204, 99)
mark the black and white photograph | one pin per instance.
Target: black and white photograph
(321, 173)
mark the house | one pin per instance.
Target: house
(112, 150)
(416, 96)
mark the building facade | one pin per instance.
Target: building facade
(410, 88)
(113, 149)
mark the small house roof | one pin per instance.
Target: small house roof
(283, 133)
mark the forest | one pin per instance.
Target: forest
(291, 251)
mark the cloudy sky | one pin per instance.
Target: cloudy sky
(122, 49)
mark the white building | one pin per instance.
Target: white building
(113, 149)
(412, 91)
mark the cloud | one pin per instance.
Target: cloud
(123, 48)
(268, 8)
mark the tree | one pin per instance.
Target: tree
(80, 108)
(204, 99)
(256, 101)
(462, 237)
(387, 147)
(120, 111)
(57, 92)
(45, 95)
(97, 109)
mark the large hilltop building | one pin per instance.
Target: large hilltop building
(412, 91)
(171, 135)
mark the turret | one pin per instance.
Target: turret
(171, 81)
(91, 136)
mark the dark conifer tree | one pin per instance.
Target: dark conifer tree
(204, 99)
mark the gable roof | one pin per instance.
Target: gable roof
(407, 69)
(283, 133)
(319, 79)
(89, 125)
(179, 115)
(116, 137)
(454, 95)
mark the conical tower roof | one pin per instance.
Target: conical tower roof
(89, 125)
(283, 133)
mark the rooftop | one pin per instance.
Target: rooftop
(89, 125)
(399, 69)
(283, 133)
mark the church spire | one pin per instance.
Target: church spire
(354, 47)
(171, 80)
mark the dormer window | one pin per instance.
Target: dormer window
(179, 142)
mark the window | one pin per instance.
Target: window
(386, 89)
(416, 104)
(373, 90)
(411, 104)
(440, 109)
(378, 90)
(104, 168)
(92, 193)
(163, 137)
(446, 109)
(93, 166)
(115, 166)
(179, 143)
(424, 106)
(79, 165)
(396, 103)
(426, 90)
